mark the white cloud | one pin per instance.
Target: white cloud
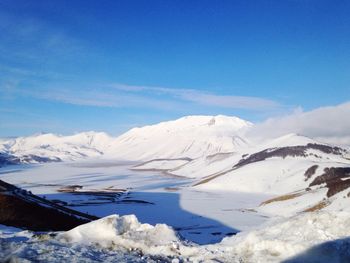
(204, 97)
(101, 98)
(122, 96)
(329, 124)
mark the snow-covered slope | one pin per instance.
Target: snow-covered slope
(305, 174)
(223, 162)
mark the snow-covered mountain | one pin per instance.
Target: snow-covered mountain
(51, 147)
(189, 137)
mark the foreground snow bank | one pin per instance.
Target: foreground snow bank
(309, 237)
(274, 242)
(296, 238)
(125, 232)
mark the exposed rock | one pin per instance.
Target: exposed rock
(336, 179)
(310, 172)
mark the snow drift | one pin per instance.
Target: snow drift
(125, 232)
(292, 238)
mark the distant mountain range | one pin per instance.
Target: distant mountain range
(190, 137)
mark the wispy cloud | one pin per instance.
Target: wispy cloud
(48, 45)
(100, 97)
(204, 97)
(121, 95)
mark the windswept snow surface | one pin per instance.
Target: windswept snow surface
(311, 237)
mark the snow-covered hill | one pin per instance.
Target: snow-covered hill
(303, 173)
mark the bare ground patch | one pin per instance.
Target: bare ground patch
(318, 206)
(282, 198)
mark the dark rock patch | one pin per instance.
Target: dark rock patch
(336, 179)
(310, 172)
(20, 208)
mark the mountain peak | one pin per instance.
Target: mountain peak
(190, 136)
(198, 121)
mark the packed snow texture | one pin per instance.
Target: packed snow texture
(309, 237)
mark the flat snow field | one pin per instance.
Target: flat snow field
(202, 217)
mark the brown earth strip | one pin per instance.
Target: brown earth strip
(282, 198)
(318, 206)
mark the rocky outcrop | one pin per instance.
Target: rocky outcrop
(310, 172)
(20, 208)
(336, 179)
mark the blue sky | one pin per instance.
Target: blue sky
(70, 66)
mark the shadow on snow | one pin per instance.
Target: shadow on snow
(152, 208)
(335, 251)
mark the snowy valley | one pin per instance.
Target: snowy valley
(199, 188)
